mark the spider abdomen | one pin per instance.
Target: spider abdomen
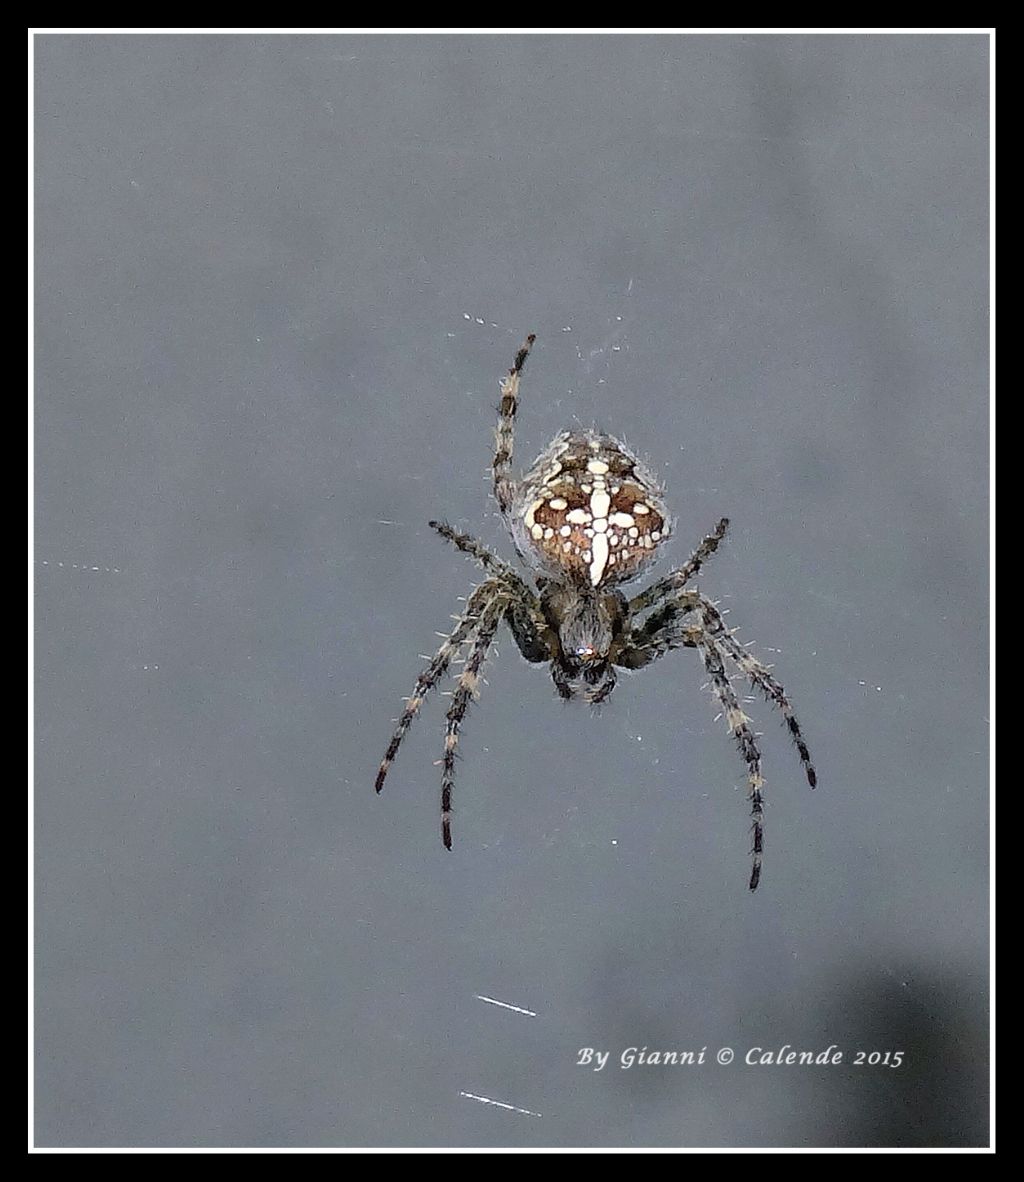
(589, 512)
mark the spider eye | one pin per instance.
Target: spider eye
(585, 652)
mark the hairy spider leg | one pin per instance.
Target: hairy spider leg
(663, 631)
(675, 580)
(761, 679)
(745, 740)
(563, 682)
(466, 689)
(524, 614)
(660, 633)
(667, 629)
(504, 485)
(465, 628)
(534, 640)
(496, 567)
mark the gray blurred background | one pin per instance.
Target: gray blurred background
(277, 280)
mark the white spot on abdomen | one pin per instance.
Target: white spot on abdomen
(599, 558)
(600, 503)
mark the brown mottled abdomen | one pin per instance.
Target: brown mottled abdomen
(589, 511)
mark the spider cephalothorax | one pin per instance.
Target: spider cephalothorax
(587, 518)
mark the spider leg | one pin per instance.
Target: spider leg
(674, 582)
(761, 678)
(504, 485)
(739, 727)
(673, 626)
(465, 691)
(496, 567)
(524, 615)
(662, 631)
(533, 638)
(563, 683)
(464, 629)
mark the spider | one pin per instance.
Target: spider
(587, 518)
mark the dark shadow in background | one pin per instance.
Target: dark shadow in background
(939, 1096)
